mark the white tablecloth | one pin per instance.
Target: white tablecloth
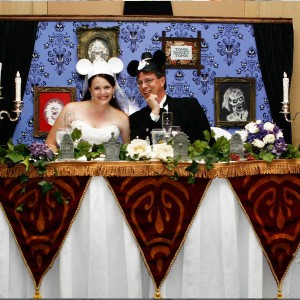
(221, 257)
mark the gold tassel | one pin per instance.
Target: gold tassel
(37, 294)
(279, 293)
(157, 294)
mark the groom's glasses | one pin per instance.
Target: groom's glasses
(146, 81)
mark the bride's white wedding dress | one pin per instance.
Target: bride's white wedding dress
(96, 135)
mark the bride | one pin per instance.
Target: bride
(100, 115)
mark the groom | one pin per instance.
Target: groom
(151, 80)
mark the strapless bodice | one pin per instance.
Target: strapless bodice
(96, 135)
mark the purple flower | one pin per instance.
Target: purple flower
(41, 151)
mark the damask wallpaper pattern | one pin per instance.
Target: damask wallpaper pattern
(228, 50)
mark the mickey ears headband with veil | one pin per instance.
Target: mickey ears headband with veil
(148, 63)
(112, 67)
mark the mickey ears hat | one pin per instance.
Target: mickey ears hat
(112, 67)
(148, 63)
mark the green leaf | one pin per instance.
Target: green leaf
(20, 208)
(266, 156)
(193, 167)
(46, 186)
(23, 178)
(76, 134)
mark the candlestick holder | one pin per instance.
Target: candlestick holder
(1, 92)
(286, 111)
(17, 109)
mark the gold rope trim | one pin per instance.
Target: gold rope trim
(157, 288)
(37, 286)
(156, 168)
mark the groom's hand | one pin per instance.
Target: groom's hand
(153, 104)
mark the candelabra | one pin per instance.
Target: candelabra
(286, 111)
(17, 102)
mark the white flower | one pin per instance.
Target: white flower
(243, 133)
(279, 134)
(269, 138)
(139, 149)
(269, 126)
(252, 127)
(258, 143)
(163, 151)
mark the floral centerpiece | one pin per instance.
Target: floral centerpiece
(263, 141)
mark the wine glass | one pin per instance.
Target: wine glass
(69, 117)
(175, 130)
(167, 122)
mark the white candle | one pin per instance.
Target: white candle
(18, 87)
(285, 88)
(0, 72)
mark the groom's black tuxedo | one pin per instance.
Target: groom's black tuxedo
(187, 113)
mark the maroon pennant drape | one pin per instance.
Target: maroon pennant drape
(159, 212)
(272, 204)
(41, 227)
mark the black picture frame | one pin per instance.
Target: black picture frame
(228, 114)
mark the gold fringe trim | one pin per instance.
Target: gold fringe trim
(279, 293)
(37, 294)
(157, 294)
(156, 168)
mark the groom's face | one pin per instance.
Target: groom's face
(149, 84)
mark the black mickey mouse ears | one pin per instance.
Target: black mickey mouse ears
(148, 63)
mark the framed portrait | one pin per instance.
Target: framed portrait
(182, 53)
(96, 43)
(48, 103)
(234, 101)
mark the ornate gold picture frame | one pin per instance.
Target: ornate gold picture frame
(234, 101)
(94, 43)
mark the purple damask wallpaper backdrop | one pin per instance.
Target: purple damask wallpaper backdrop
(228, 50)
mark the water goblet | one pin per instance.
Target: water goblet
(60, 132)
(69, 117)
(167, 122)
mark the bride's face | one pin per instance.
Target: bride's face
(101, 90)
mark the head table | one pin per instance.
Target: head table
(129, 230)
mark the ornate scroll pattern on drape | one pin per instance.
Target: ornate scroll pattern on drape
(159, 212)
(42, 226)
(272, 204)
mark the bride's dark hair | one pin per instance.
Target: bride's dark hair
(87, 96)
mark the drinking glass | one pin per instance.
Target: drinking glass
(175, 130)
(167, 122)
(69, 117)
(157, 136)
